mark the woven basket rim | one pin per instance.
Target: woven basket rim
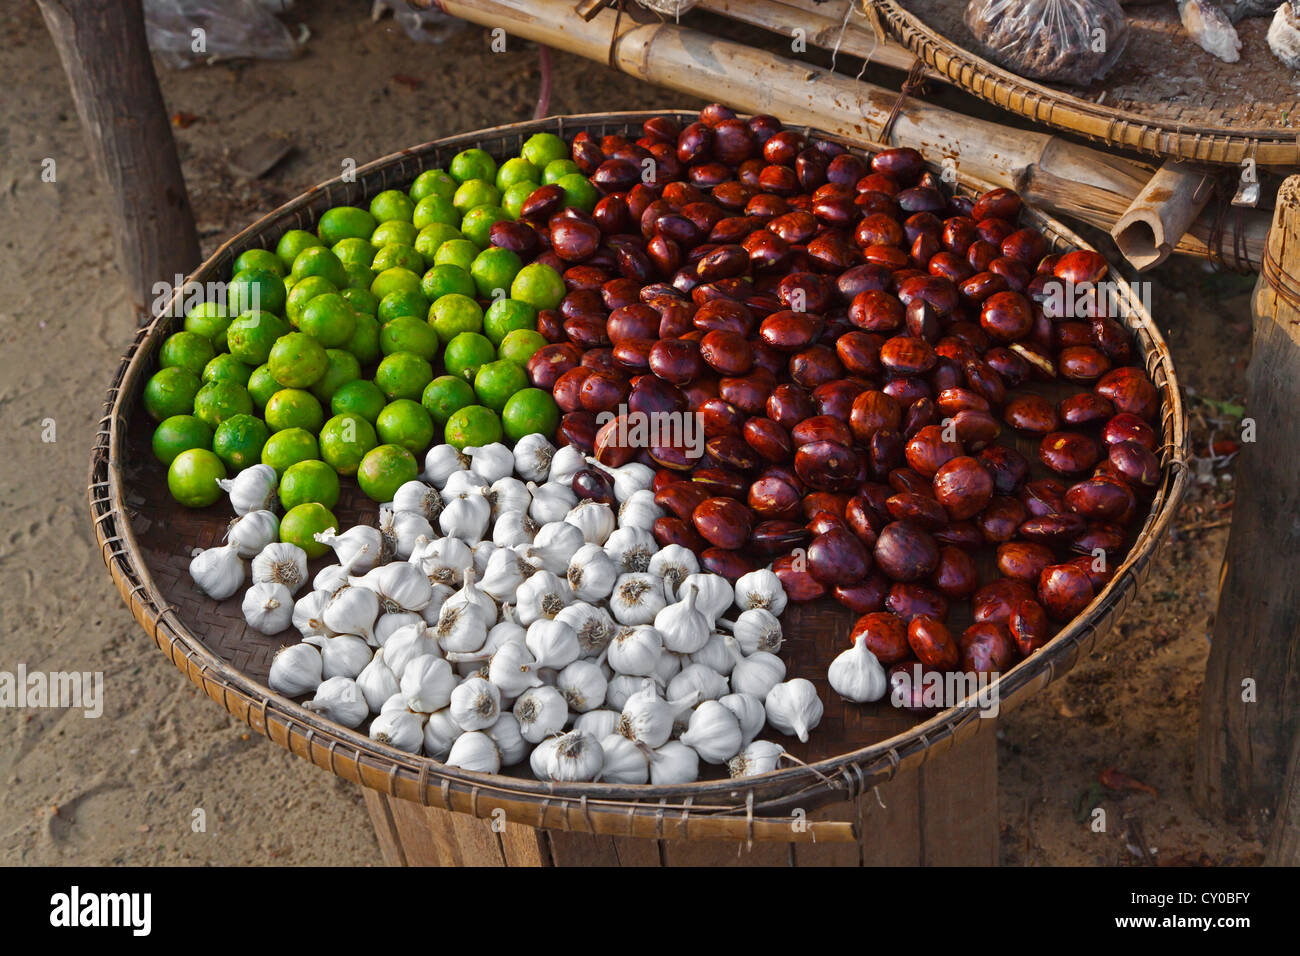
(649, 810)
(1226, 145)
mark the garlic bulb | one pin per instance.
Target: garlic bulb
(552, 643)
(541, 711)
(461, 627)
(510, 742)
(576, 757)
(599, 723)
(268, 607)
(756, 674)
(637, 598)
(714, 654)
(640, 511)
(593, 625)
(281, 563)
(674, 564)
(440, 732)
(434, 609)
(463, 483)
(668, 667)
(551, 501)
(340, 700)
(582, 685)
(508, 495)
(635, 650)
(592, 573)
(252, 532)
(253, 489)
(507, 631)
(755, 630)
(398, 728)
(427, 683)
(218, 572)
(794, 707)
(466, 516)
(749, 713)
(565, 463)
(307, 612)
(444, 560)
(628, 479)
(352, 610)
(408, 643)
(475, 751)
(514, 529)
(416, 496)
(704, 682)
(714, 594)
(441, 463)
(760, 589)
(714, 733)
(625, 762)
(541, 753)
(631, 549)
(491, 462)
(400, 587)
(388, 624)
(513, 670)
(648, 719)
(533, 454)
(404, 531)
(856, 674)
(470, 594)
(674, 763)
(594, 519)
(483, 552)
(761, 756)
(555, 545)
(685, 630)
(295, 670)
(541, 597)
(343, 656)
(377, 682)
(503, 574)
(475, 704)
(358, 547)
(621, 687)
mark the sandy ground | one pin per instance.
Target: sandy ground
(128, 787)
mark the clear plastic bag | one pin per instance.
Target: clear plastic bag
(423, 26)
(185, 32)
(1066, 41)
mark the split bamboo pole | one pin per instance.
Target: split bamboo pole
(1161, 214)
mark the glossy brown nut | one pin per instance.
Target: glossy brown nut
(865, 596)
(985, 382)
(837, 558)
(1025, 245)
(1080, 266)
(982, 286)
(1043, 497)
(955, 576)
(950, 401)
(783, 147)
(676, 360)
(778, 536)
(1006, 316)
(676, 531)
(603, 391)
(731, 565)
(542, 203)
(1006, 466)
(681, 498)
(805, 292)
(774, 498)
(1129, 390)
(723, 262)
(634, 321)
(723, 522)
(975, 429)
(872, 411)
(548, 363)
(790, 331)
(821, 428)
(1029, 627)
(795, 228)
(939, 292)
(884, 634)
(994, 602)
(1101, 499)
(568, 387)
(717, 416)
(1127, 427)
(998, 203)
(963, 487)
(905, 552)
(651, 394)
(1085, 408)
(837, 398)
(578, 429)
(518, 237)
(826, 465)
(799, 585)
(831, 502)
(932, 642)
(922, 510)
(593, 484)
(728, 353)
(732, 451)
(928, 451)
(1106, 538)
(1135, 463)
(905, 355)
(1082, 363)
(1031, 414)
(1053, 529)
(910, 601)
(1069, 453)
(788, 405)
(859, 352)
(1001, 519)
(986, 648)
(879, 229)
(874, 310)
(750, 392)
(1024, 560)
(1064, 591)
(814, 366)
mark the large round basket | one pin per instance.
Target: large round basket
(1166, 97)
(819, 806)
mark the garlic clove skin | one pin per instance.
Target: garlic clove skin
(637, 599)
(421, 498)
(440, 732)
(702, 681)
(400, 586)
(281, 563)
(565, 463)
(628, 479)
(218, 572)
(555, 545)
(577, 757)
(624, 762)
(427, 683)
(758, 757)
(443, 560)
(357, 548)
(714, 655)
(631, 549)
(591, 573)
(794, 708)
(503, 575)
(295, 670)
(253, 531)
(400, 729)
(749, 713)
(714, 594)
(640, 511)
(340, 700)
(510, 742)
(513, 670)
(307, 611)
(594, 519)
(621, 687)
(461, 628)
(464, 483)
(593, 625)
(648, 719)
(475, 704)
(344, 656)
(514, 529)
(408, 643)
(377, 682)
(466, 516)
(253, 489)
(541, 597)
(491, 462)
(674, 763)
(599, 723)
(441, 462)
(404, 531)
(553, 644)
(635, 650)
(756, 630)
(268, 607)
(508, 495)
(533, 455)
(674, 564)
(541, 712)
(714, 733)
(582, 685)
(857, 675)
(551, 501)
(353, 610)
(386, 625)
(756, 674)
(684, 628)
(542, 753)
(760, 589)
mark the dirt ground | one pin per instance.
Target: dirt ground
(128, 787)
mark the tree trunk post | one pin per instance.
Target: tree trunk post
(105, 54)
(1250, 702)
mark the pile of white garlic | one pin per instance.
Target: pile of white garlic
(494, 618)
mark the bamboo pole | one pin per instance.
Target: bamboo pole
(1162, 212)
(1061, 176)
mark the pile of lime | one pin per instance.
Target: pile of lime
(352, 350)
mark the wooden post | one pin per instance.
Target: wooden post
(106, 56)
(1250, 704)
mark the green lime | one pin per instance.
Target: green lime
(385, 469)
(238, 441)
(192, 478)
(226, 368)
(308, 481)
(446, 279)
(293, 242)
(301, 524)
(493, 270)
(255, 289)
(473, 164)
(475, 192)
(171, 391)
(496, 381)
(294, 408)
(359, 397)
(538, 285)
(432, 236)
(177, 434)
(447, 394)
(516, 170)
(364, 343)
(217, 401)
(343, 368)
(328, 319)
(302, 293)
(466, 354)
(405, 423)
(395, 230)
(529, 411)
(403, 375)
(403, 302)
(263, 259)
(514, 197)
(297, 360)
(345, 222)
(344, 441)
(557, 169)
(453, 314)
(519, 345)
(579, 192)
(210, 320)
(406, 333)
(252, 335)
(355, 252)
(456, 252)
(359, 277)
(396, 255)
(507, 315)
(288, 447)
(391, 205)
(432, 182)
(436, 209)
(262, 385)
(319, 261)
(395, 280)
(541, 149)
(472, 427)
(186, 350)
(362, 301)
(478, 222)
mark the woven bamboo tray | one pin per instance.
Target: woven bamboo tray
(1166, 97)
(146, 541)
